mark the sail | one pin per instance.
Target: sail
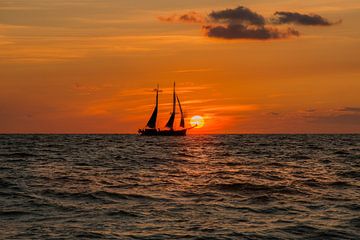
(182, 121)
(170, 123)
(152, 121)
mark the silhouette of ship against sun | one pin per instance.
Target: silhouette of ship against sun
(151, 128)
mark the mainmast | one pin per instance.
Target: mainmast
(170, 123)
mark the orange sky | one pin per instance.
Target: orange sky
(90, 66)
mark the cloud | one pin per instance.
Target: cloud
(167, 90)
(239, 31)
(350, 109)
(193, 70)
(300, 19)
(274, 113)
(190, 17)
(243, 23)
(240, 14)
(345, 119)
(233, 109)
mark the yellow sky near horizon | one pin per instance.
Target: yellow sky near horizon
(90, 66)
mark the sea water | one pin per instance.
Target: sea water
(194, 187)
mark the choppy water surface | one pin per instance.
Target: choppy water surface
(194, 187)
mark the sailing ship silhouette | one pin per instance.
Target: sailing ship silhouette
(151, 129)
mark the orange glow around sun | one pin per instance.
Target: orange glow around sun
(197, 122)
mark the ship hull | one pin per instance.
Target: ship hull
(154, 132)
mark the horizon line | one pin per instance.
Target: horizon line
(274, 133)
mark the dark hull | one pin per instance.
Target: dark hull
(154, 132)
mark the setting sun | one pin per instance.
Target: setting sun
(197, 122)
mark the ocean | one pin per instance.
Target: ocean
(194, 187)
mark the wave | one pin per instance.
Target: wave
(312, 232)
(300, 157)
(13, 214)
(18, 155)
(300, 229)
(185, 155)
(311, 183)
(341, 152)
(355, 222)
(121, 213)
(314, 147)
(90, 235)
(6, 184)
(99, 196)
(80, 196)
(249, 187)
(279, 210)
(351, 206)
(317, 184)
(339, 184)
(262, 199)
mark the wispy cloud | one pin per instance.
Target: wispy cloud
(166, 90)
(38, 54)
(193, 70)
(347, 119)
(233, 109)
(274, 113)
(190, 17)
(89, 89)
(350, 109)
(343, 116)
(5, 41)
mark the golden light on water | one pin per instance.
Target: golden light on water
(197, 121)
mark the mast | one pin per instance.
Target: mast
(170, 123)
(152, 121)
(182, 121)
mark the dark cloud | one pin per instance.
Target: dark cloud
(190, 17)
(239, 31)
(243, 23)
(239, 14)
(300, 19)
(350, 109)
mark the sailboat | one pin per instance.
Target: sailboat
(151, 128)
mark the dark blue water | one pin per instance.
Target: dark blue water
(195, 187)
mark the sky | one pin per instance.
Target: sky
(250, 66)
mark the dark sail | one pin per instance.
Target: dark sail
(182, 121)
(170, 123)
(152, 121)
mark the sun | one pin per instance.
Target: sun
(197, 121)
